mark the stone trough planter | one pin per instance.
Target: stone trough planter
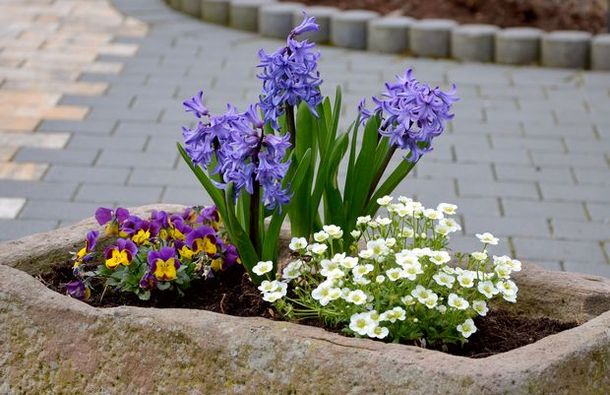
(50, 343)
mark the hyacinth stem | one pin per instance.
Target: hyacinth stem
(255, 201)
(382, 168)
(290, 124)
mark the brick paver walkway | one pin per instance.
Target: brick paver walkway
(91, 112)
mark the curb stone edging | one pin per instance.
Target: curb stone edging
(366, 30)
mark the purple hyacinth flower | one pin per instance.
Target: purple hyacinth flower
(195, 105)
(307, 25)
(77, 289)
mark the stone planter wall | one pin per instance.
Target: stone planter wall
(439, 38)
(50, 343)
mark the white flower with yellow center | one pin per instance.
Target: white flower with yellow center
(378, 332)
(349, 262)
(405, 200)
(318, 249)
(509, 290)
(267, 286)
(378, 247)
(441, 308)
(390, 242)
(366, 254)
(262, 267)
(357, 297)
(384, 201)
(503, 271)
(326, 292)
(451, 224)
(420, 252)
(466, 279)
(362, 270)
(480, 306)
(331, 269)
(361, 281)
(439, 257)
(406, 257)
(410, 271)
(333, 231)
(467, 328)
(297, 244)
(431, 301)
(383, 221)
(515, 265)
(479, 256)
(487, 289)
(293, 270)
(444, 279)
(408, 300)
(447, 208)
(361, 323)
(406, 233)
(355, 234)
(487, 238)
(320, 236)
(380, 279)
(363, 220)
(273, 290)
(442, 230)
(457, 302)
(432, 214)
(421, 294)
(393, 274)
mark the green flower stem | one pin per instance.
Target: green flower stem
(380, 171)
(290, 124)
(255, 201)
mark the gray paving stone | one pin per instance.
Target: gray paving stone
(119, 159)
(38, 189)
(124, 195)
(475, 188)
(138, 128)
(64, 156)
(587, 268)
(548, 210)
(599, 211)
(94, 127)
(530, 173)
(191, 7)
(58, 210)
(510, 156)
(592, 176)
(97, 175)
(560, 250)
(186, 196)
(443, 170)
(243, 14)
(182, 177)
(580, 145)
(507, 226)
(11, 229)
(553, 144)
(581, 230)
(589, 193)
(127, 143)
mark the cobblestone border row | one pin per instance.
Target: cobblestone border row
(436, 38)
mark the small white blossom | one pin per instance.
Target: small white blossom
(318, 249)
(366, 254)
(378, 247)
(439, 257)
(333, 231)
(406, 233)
(509, 290)
(393, 274)
(273, 290)
(262, 267)
(404, 210)
(444, 279)
(432, 214)
(441, 308)
(405, 200)
(357, 297)
(515, 265)
(292, 270)
(390, 242)
(363, 220)
(451, 224)
(431, 301)
(410, 271)
(447, 208)
(326, 292)
(361, 323)
(487, 289)
(479, 256)
(383, 221)
(362, 270)
(480, 306)
(320, 236)
(503, 271)
(355, 234)
(487, 238)
(378, 332)
(349, 262)
(466, 279)
(407, 300)
(467, 328)
(457, 302)
(297, 244)
(384, 201)
(361, 280)
(380, 279)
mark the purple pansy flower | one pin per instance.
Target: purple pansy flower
(104, 215)
(78, 290)
(164, 264)
(148, 281)
(120, 254)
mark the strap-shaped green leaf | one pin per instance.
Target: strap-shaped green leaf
(401, 171)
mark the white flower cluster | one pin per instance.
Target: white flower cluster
(398, 284)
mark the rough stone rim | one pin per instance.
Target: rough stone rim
(557, 33)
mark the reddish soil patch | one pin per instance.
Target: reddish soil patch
(233, 294)
(586, 15)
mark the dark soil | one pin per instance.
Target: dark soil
(234, 294)
(586, 15)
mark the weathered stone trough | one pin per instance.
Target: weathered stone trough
(50, 343)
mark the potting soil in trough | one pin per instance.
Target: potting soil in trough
(232, 293)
